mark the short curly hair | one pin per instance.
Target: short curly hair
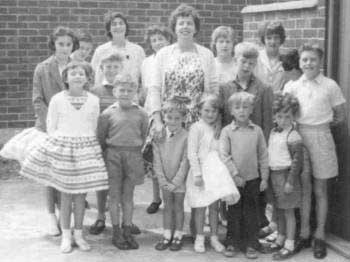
(109, 17)
(184, 10)
(85, 66)
(62, 31)
(84, 36)
(313, 48)
(157, 29)
(271, 28)
(174, 104)
(283, 103)
(213, 100)
(224, 32)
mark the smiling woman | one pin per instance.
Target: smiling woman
(117, 30)
(184, 69)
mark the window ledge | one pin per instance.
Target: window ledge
(291, 5)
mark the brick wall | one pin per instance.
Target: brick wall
(26, 24)
(302, 25)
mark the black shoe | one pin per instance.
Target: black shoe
(320, 249)
(129, 238)
(118, 239)
(153, 207)
(163, 244)
(301, 244)
(98, 227)
(176, 244)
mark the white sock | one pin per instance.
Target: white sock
(200, 238)
(289, 244)
(78, 233)
(66, 233)
(280, 239)
(167, 233)
(178, 234)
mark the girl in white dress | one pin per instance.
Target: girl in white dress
(70, 159)
(208, 180)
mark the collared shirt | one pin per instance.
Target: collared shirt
(262, 112)
(244, 149)
(119, 126)
(317, 98)
(271, 75)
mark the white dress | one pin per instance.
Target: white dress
(204, 160)
(70, 159)
(19, 146)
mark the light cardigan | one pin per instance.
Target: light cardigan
(133, 55)
(63, 119)
(163, 60)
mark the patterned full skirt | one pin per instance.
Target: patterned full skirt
(70, 164)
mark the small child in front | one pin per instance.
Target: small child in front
(321, 106)
(122, 131)
(286, 162)
(243, 150)
(170, 165)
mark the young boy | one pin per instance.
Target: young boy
(243, 150)
(171, 166)
(85, 46)
(246, 55)
(122, 131)
(321, 106)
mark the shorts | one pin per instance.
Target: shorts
(124, 164)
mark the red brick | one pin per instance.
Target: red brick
(67, 4)
(27, 18)
(59, 11)
(80, 11)
(89, 4)
(18, 124)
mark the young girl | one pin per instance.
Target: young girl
(70, 160)
(269, 67)
(209, 179)
(321, 106)
(285, 162)
(223, 40)
(47, 81)
(156, 38)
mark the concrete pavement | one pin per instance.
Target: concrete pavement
(23, 237)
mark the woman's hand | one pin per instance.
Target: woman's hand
(263, 185)
(198, 181)
(157, 127)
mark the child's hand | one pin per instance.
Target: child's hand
(239, 181)
(263, 185)
(198, 181)
(288, 188)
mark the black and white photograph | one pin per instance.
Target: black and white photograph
(167, 130)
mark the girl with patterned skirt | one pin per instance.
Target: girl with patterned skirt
(70, 159)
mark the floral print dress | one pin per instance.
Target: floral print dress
(184, 79)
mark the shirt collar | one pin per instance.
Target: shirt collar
(265, 61)
(318, 79)
(106, 83)
(169, 133)
(116, 105)
(235, 126)
(250, 82)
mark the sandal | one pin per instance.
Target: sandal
(282, 254)
(176, 244)
(231, 251)
(97, 227)
(163, 244)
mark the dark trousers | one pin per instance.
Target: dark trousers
(242, 217)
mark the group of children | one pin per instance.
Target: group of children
(248, 140)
